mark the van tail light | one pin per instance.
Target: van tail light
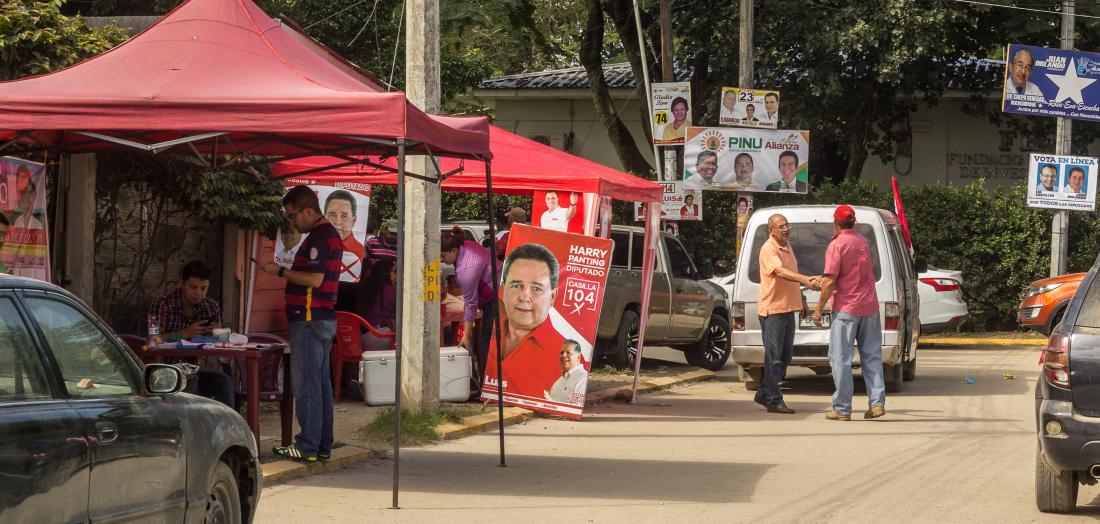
(941, 284)
(1056, 360)
(893, 316)
(738, 316)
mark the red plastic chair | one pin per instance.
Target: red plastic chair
(349, 345)
(271, 369)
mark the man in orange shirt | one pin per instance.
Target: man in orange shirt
(780, 298)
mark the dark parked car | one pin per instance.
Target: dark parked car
(1068, 402)
(89, 433)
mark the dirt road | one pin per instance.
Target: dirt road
(946, 451)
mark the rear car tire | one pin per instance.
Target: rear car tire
(892, 377)
(750, 376)
(909, 370)
(626, 340)
(1055, 319)
(713, 350)
(223, 500)
(1054, 493)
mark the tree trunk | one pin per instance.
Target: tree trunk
(621, 13)
(858, 129)
(592, 60)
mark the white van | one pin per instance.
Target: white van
(811, 232)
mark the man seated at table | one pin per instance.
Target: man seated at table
(186, 312)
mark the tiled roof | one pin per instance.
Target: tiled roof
(619, 75)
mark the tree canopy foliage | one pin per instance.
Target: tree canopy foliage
(35, 38)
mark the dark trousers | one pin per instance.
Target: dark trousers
(777, 331)
(213, 384)
(484, 336)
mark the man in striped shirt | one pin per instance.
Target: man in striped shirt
(312, 283)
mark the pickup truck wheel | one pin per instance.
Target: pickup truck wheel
(892, 377)
(223, 501)
(626, 340)
(750, 376)
(1054, 493)
(909, 370)
(713, 350)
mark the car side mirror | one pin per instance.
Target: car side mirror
(164, 378)
(706, 271)
(920, 265)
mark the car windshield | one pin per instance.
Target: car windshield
(1090, 307)
(809, 240)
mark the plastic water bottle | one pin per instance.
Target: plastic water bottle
(154, 331)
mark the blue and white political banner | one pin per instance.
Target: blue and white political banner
(1062, 182)
(1052, 82)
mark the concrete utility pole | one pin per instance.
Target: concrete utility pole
(1063, 139)
(419, 331)
(744, 71)
(668, 75)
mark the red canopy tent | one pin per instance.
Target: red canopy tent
(220, 75)
(520, 166)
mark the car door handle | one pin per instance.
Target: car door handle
(106, 432)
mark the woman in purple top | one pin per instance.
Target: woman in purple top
(474, 272)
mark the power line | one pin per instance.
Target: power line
(1044, 11)
(334, 14)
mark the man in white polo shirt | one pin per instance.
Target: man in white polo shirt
(556, 217)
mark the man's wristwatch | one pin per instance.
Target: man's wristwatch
(281, 269)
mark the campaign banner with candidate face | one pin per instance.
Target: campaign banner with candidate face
(677, 203)
(558, 211)
(551, 293)
(671, 109)
(741, 159)
(1062, 182)
(24, 250)
(1051, 82)
(346, 206)
(749, 108)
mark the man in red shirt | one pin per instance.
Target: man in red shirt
(850, 280)
(531, 345)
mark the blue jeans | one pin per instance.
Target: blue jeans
(847, 329)
(777, 330)
(311, 373)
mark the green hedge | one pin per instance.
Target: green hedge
(988, 233)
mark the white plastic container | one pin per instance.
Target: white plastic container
(378, 370)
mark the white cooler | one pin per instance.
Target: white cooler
(378, 369)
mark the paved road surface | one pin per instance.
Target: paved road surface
(945, 452)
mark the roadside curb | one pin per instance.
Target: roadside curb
(943, 342)
(281, 471)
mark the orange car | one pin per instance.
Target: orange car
(1046, 301)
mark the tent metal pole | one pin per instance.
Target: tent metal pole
(400, 326)
(496, 317)
(652, 236)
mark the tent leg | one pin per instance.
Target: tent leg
(399, 325)
(496, 318)
(652, 236)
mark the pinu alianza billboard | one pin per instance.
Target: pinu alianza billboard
(551, 293)
(25, 250)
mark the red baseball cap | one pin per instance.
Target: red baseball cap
(844, 213)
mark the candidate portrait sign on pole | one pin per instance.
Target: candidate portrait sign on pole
(748, 108)
(25, 250)
(345, 205)
(558, 210)
(742, 159)
(1062, 182)
(677, 204)
(1051, 82)
(551, 293)
(671, 109)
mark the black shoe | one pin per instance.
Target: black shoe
(781, 408)
(761, 401)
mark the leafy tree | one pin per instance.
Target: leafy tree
(38, 39)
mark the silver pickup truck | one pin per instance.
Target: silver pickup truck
(686, 312)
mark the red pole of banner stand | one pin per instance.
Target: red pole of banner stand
(652, 236)
(397, 357)
(496, 317)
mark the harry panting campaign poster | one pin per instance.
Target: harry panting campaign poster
(551, 292)
(25, 250)
(345, 204)
(1052, 82)
(741, 159)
